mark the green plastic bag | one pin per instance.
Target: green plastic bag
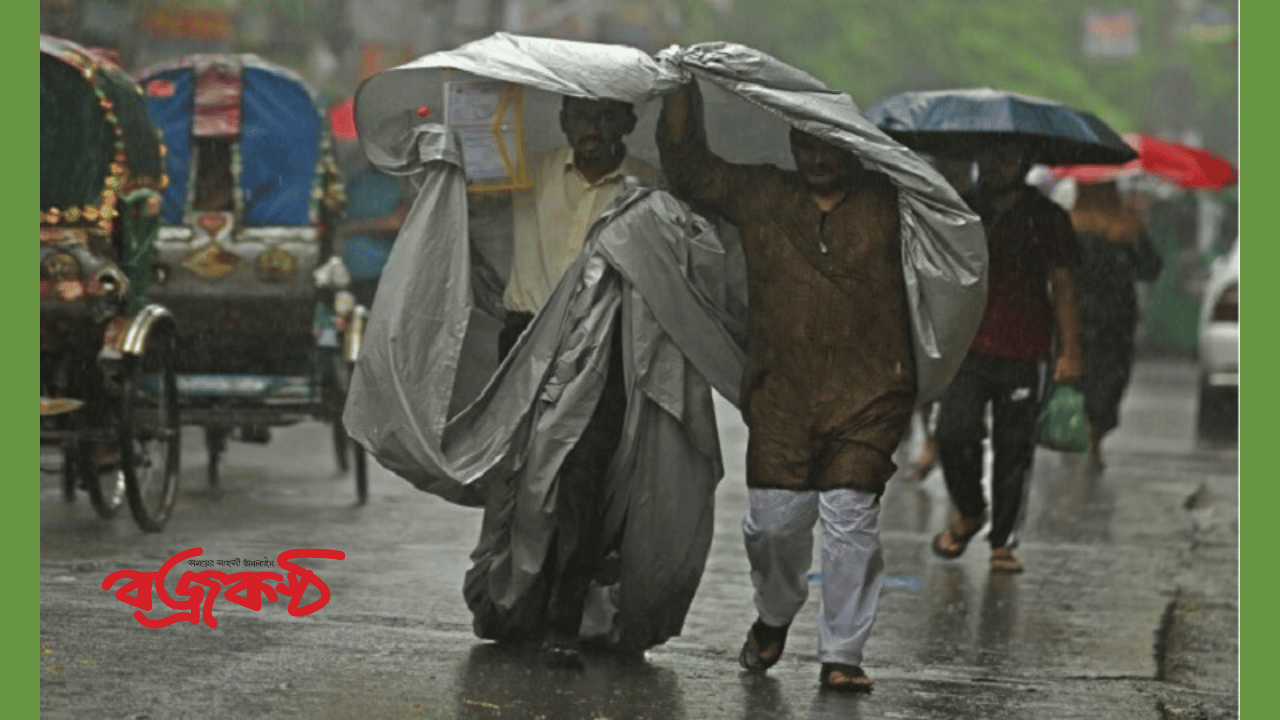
(1063, 425)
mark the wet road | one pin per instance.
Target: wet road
(1127, 609)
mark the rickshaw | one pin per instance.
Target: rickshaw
(108, 391)
(268, 332)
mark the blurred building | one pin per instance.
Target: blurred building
(335, 44)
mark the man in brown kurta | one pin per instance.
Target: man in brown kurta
(829, 385)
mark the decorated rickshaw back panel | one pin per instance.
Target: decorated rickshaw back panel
(244, 211)
(277, 129)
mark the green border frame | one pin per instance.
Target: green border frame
(1259, 494)
(21, 518)
(1257, 21)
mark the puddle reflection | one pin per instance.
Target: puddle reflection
(762, 697)
(833, 705)
(498, 681)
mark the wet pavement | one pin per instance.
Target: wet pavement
(1128, 607)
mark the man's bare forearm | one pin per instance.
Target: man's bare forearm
(1070, 363)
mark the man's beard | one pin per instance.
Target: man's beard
(835, 180)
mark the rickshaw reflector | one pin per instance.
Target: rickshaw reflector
(57, 406)
(58, 235)
(214, 222)
(211, 262)
(275, 265)
(70, 290)
(161, 88)
(424, 111)
(44, 288)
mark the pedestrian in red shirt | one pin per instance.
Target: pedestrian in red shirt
(1030, 294)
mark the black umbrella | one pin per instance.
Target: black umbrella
(962, 123)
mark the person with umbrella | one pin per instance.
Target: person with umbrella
(1115, 252)
(1031, 303)
(1031, 292)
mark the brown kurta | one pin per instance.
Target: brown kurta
(829, 385)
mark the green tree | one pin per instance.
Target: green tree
(871, 49)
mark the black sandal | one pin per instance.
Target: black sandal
(758, 652)
(855, 679)
(958, 541)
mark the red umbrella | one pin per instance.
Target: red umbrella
(342, 120)
(1190, 167)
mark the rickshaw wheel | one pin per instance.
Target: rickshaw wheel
(80, 464)
(149, 432)
(106, 488)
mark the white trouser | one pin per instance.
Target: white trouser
(779, 537)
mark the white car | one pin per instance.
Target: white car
(1219, 349)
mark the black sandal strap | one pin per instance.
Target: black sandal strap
(852, 671)
(763, 637)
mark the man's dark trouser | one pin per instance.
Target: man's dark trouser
(1013, 389)
(576, 553)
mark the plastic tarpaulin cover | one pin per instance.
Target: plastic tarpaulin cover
(672, 283)
(505, 447)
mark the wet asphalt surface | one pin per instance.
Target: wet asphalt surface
(1128, 607)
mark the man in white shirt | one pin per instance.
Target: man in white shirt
(572, 186)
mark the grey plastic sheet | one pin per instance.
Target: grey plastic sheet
(429, 401)
(751, 99)
(654, 266)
